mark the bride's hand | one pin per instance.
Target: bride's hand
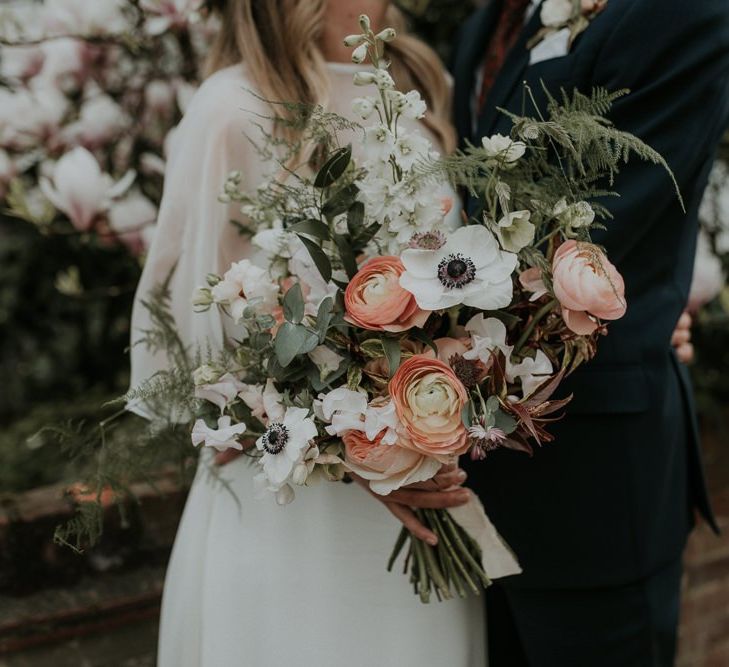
(224, 457)
(441, 492)
(681, 339)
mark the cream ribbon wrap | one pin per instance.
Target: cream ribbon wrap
(497, 558)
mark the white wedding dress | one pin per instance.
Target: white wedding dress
(251, 583)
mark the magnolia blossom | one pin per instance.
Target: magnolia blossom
(65, 64)
(244, 285)
(488, 335)
(101, 120)
(30, 117)
(503, 148)
(515, 231)
(132, 219)
(708, 279)
(224, 437)
(169, 14)
(20, 62)
(556, 13)
(531, 372)
(80, 189)
(81, 17)
(221, 392)
(469, 269)
(7, 171)
(160, 97)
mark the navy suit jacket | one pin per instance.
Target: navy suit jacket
(613, 498)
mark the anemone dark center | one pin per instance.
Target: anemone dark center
(275, 438)
(456, 271)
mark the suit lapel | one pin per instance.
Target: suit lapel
(473, 42)
(509, 78)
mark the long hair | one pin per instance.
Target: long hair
(278, 40)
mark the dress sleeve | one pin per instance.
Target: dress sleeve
(194, 234)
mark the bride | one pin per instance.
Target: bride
(251, 583)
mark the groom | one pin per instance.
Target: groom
(599, 518)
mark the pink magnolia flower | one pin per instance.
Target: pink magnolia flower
(167, 14)
(8, 171)
(130, 219)
(708, 279)
(100, 121)
(587, 286)
(31, 118)
(21, 62)
(81, 17)
(81, 190)
(65, 64)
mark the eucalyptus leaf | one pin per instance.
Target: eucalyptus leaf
(293, 304)
(293, 340)
(504, 422)
(319, 257)
(333, 168)
(324, 317)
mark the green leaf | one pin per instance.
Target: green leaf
(346, 254)
(333, 168)
(354, 377)
(320, 259)
(312, 227)
(505, 422)
(340, 202)
(391, 346)
(293, 304)
(467, 414)
(324, 317)
(492, 404)
(355, 219)
(421, 336)
(293, 340)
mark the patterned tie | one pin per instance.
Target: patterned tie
(511, 21)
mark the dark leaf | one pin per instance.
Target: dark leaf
(324, 317)
(319, 257)
(391, 346)
(346, 254)
(293, 304)
(333, 168)
(312, 227)
(340, 201)
(355, 219)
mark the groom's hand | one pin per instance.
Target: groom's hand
(681, 340)
(441, 492)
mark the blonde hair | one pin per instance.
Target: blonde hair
(278, 40)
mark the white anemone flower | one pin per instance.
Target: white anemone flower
(80, 189)
(503, 148)
(488, 335)
(531, 372)
(221, 438)
(469, 269)
(244, 285)
(515, 231)
(285, 444)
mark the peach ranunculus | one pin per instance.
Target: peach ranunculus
(587, 286)
(386, 467)
(375, 301)
(429, 399)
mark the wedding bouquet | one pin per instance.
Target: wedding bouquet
(371, 337)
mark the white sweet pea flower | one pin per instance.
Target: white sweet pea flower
(244, 285)
(556, 13)
(380, 418)
(252, 396)
(531, 372)
(285, 444)
(80, 189)
(222, 438)
(488, 335)
(503, 148)
(364, 106)
(222, 392)
(168, 14)
(344, 408)
(469, 269)
(326, 360)
(515, 231)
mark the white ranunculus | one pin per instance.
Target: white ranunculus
(285, 444)
(100, 121)
(221, 438)
(515, 231)
(488, 335)
(531, 372)
(167, 14)
(469, 269)
(221, 392)
(556, 13)
(80, 189)
(503, 148)
(244, 285)
(344, 408)
(81, 17)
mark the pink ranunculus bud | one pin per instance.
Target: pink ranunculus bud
(81, 190)
(587, 286)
